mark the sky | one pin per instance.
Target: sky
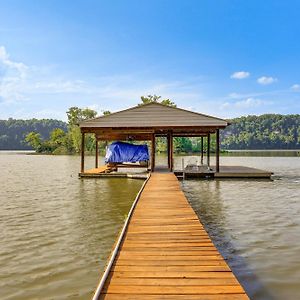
(226, 58)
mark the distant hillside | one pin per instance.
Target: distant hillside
(13, 132)
(269, 131)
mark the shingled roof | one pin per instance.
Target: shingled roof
(154, 115)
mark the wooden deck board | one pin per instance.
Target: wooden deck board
(173, 297)
(166, 253)
(99, 170)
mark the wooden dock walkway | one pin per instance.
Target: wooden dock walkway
(166, 253)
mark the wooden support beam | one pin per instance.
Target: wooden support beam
(152, 152)
(96, 155)
(82, 152)
(157, 130)
(168, 150)
(217, 150)
(171, 151)
(208, 150)
(202, 150)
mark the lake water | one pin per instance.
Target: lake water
(255, 224)
(57, 231)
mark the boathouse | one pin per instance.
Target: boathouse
(149, 121)
(163, 251)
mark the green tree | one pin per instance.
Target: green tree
(34, 140)
(76, 115)
(57, 137)
(182, 144)
(156, 99)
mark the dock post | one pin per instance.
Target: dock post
(82, 152)
(202, 150)
(152, 152)
(171, 151)
(168, 149)
(96, 154)
(217, 150)
(208, 150)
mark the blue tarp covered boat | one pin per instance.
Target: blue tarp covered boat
(119, 152)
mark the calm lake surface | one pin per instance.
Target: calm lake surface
(57, 231)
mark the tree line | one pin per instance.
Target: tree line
(13, 132)
(269, 131)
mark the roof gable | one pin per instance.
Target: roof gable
(154, 115)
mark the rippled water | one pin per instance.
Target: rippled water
(255, 224)
(57, 231)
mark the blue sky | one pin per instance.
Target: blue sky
(224, 57)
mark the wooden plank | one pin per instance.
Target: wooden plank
(178, 248)
(172, 297)
(169, 257)
(165, 290)
(159, 252)
(170, 274)
(99, 170)
(171, 281)
(169, 268)
(167, 254)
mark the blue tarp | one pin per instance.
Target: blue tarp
(119, 152)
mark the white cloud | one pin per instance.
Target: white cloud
(249, 103)
(295, 87)
(59, 86)
(19, 82)
(244, 105)
(240, 75)
(19, 67)
(264, 80)
(12, 78)
(46, 93)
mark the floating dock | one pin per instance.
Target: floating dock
(226, 172)
(165, 253)
(107, 171)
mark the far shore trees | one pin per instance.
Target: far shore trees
(269, 131)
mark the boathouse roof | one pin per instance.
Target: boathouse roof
(154, 115)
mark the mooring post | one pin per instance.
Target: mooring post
(208, 150)
(152, 152)
(96, 154)
(168, 149)
(82, 152)
(217, 150)
(202, 150)
(171, 151)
